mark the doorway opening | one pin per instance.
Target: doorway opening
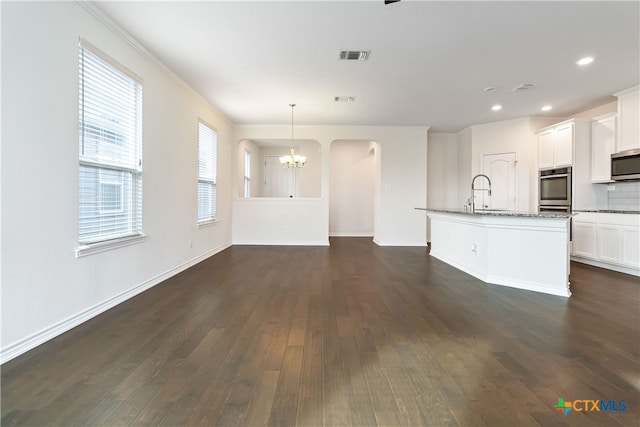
(352, 188)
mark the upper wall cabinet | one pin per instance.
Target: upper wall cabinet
(628, 119)
(603, 144)
(555, 145)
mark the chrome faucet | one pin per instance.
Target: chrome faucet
(473, 190)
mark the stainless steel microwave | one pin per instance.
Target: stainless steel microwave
(625, 165)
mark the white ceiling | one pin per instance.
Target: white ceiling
(429, 62)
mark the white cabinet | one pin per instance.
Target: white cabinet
(619, 244)
(609, 243)
(584, 239)
(569, 144)
(631, 246)
(555, 146)
(563, 145)
(628, 119)
(545, 149)
(603, 144)
(610, 239)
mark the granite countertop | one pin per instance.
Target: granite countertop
(502, 213)
(607, 211)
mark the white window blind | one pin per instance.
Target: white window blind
(207, 170)
(247, 173)
(110, 149)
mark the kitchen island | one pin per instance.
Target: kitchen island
(518, 249)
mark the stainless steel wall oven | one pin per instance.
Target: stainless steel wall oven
(554, 189)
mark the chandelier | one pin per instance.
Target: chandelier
(292, 160)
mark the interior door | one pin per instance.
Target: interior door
(278, 181)
(501, 169)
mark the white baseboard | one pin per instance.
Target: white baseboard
(618, 268)
(401, 244)
(280, 243)
(350, 234)
(22, 346)
(528, 286)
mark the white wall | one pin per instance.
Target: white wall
(351, 185)
(443, 171)
(402, 187)
(464, 165)
(507, 136)
(45, 289)
(504, 137)
(255, 170)
(611, 107)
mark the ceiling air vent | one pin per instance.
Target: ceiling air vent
(354, 55)
(523, 87)
(344, 98)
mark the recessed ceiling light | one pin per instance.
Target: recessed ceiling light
(546, 108)
(584, 61)
(496, 107)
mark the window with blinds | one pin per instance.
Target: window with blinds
(110, 149)
(207, 169)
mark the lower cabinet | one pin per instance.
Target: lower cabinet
(584, 240)
(631, 246)
(610, 243)
(607, 238)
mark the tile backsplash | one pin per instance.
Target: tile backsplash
(624, 196)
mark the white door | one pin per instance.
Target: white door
(501, 169)
(278, 181)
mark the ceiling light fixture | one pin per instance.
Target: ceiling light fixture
(496, 107)
(546, 108)
(292, 160)
(585, 61)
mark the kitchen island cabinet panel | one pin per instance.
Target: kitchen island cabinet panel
(520, 250)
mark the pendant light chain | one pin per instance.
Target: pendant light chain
(292, 105)
(293, 160)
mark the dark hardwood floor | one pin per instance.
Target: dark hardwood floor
(351, 335)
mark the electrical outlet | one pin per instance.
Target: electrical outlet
(190, 243)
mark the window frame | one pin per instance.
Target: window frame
(210, 181)
(97, 155)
